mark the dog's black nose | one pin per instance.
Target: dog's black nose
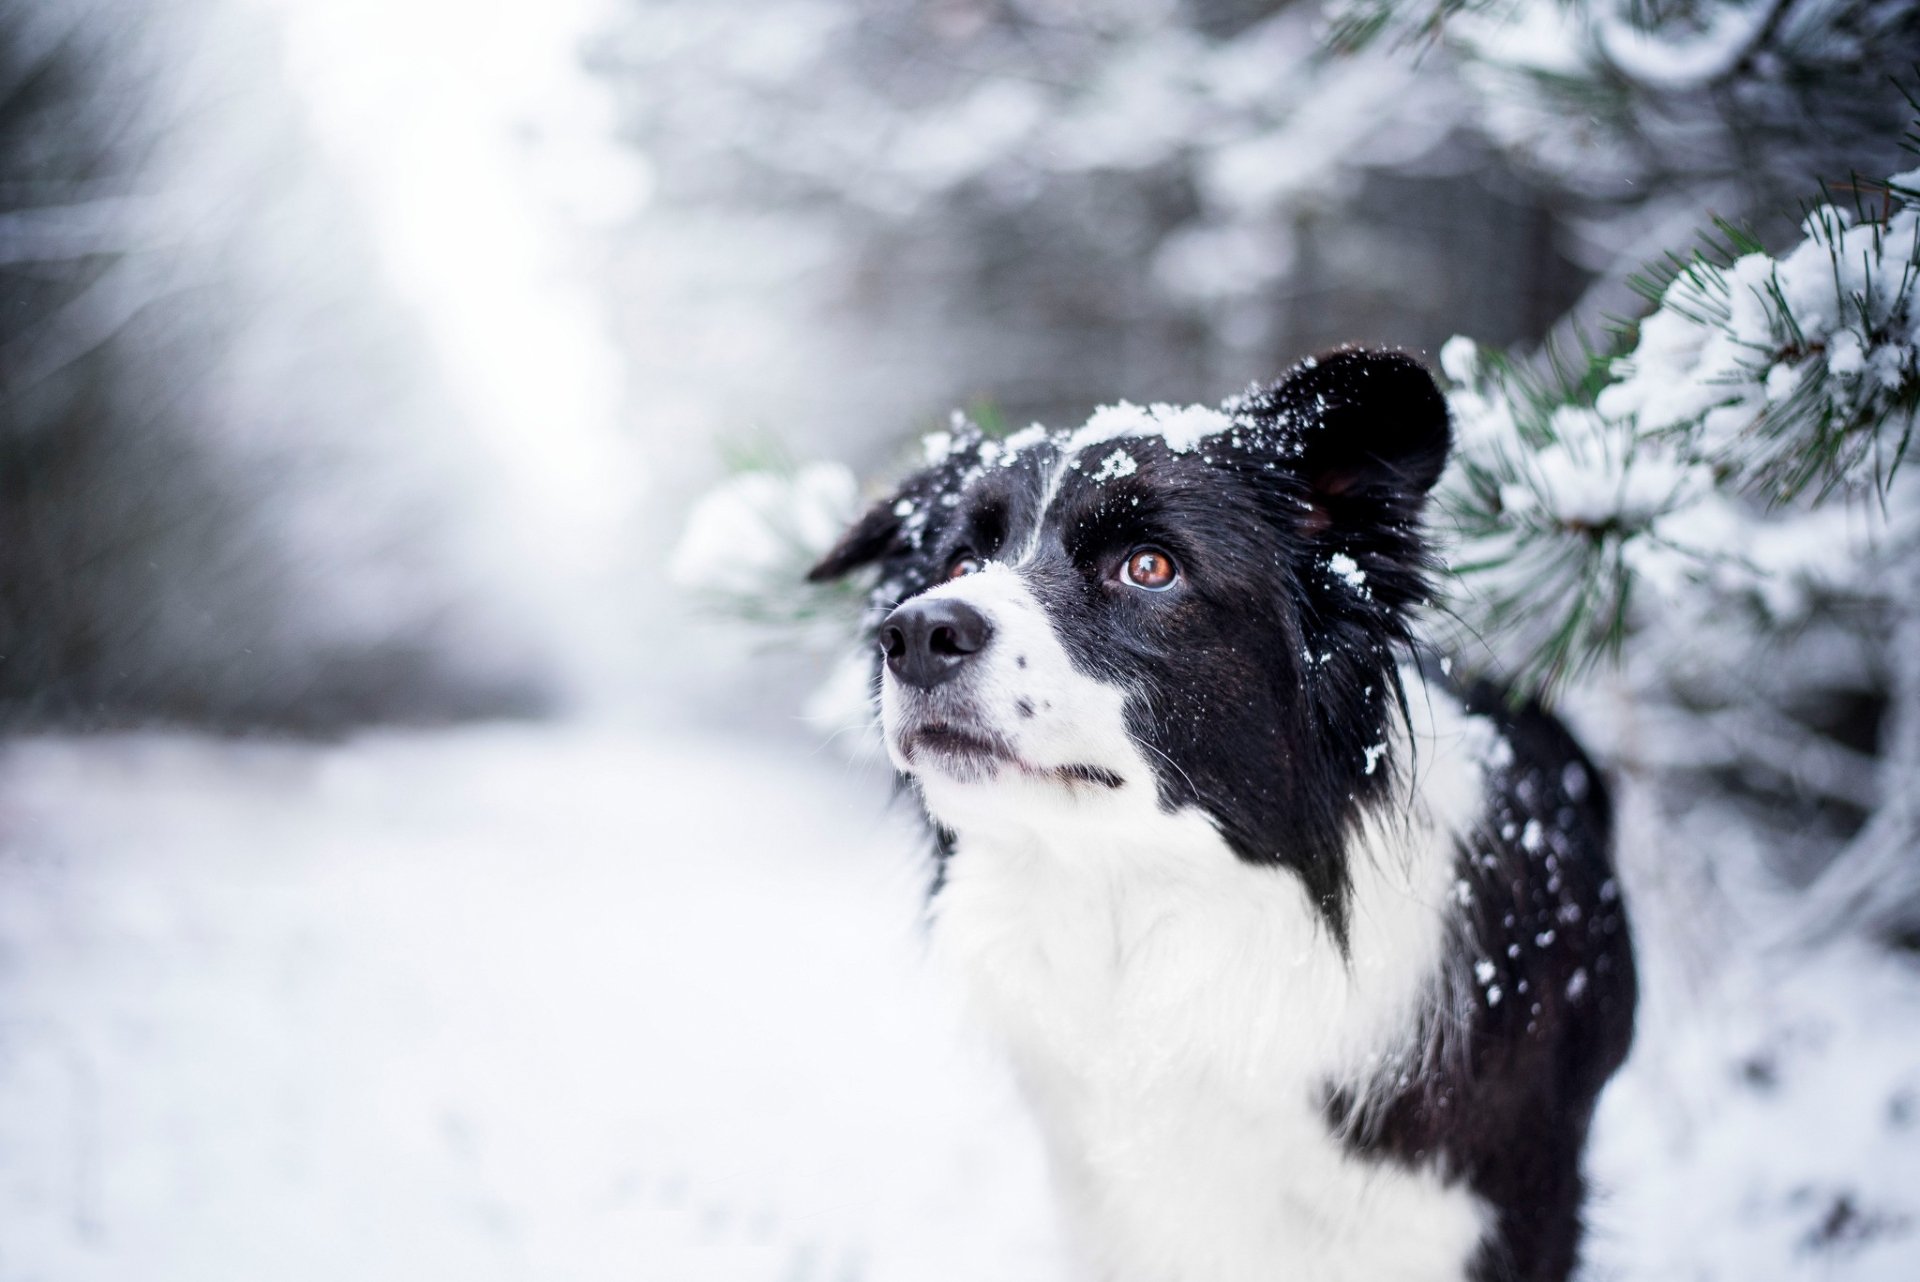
(929, 641)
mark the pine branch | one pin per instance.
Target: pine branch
(1755, 383)
(749, 542)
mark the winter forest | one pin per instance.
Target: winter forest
(442, 833)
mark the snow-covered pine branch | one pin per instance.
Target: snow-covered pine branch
(749, 542)
(743, 556)
(1654, 104)
(1697, 459)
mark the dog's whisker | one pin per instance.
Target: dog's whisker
(1192, 788)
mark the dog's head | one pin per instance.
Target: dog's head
(1166, 607)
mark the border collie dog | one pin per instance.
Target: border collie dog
(1310, 962)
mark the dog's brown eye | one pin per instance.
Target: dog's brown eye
(968, 564)
(1150, 568)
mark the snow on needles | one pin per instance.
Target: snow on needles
(753, 537)
(1827, 329)
(1758, 383)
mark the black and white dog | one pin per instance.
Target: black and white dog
(1311, 965)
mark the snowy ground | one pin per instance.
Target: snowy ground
(499, 1003)
(563, 1003)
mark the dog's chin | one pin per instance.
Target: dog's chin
(963, 753)
(960, 753)
(971, 754)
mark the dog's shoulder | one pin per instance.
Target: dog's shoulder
(1534, 1011)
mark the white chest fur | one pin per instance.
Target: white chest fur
(1176, 1015)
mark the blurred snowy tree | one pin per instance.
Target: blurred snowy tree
(1702, 528)
(228, 489)
(1723, 503)
(1050, 203)
(1714, 492)
(1633, 102)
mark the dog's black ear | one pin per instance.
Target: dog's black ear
(1373, 434)
(870, 538)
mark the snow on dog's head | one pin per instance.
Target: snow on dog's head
(1168, 607)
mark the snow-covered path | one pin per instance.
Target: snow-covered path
(493, 1003)
(557, 1003)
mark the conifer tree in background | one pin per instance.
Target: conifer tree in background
(1692, 513)
(1708, 501)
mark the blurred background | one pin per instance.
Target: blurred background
(403, 874)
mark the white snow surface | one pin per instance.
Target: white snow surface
(491, 1004)
(570, 1002)
(1774, 1136)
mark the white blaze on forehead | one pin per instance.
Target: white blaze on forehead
(1181, 428)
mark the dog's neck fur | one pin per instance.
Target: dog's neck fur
(1180, 1019)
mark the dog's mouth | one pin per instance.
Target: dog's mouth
(972, 754)
(942, 740)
